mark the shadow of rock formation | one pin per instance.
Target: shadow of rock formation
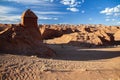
(72, 53)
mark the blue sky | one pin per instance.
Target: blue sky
(63, 11)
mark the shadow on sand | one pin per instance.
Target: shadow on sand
(72, 53)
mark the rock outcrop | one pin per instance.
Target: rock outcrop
(48, 33)
(117, 36)
(80, 35)
(29, 18)
(84, 35)
(24, 38)
(53, 31)
(78, 39)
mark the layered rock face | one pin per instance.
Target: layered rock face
(117, 36)
(48, 33)
(53, 31)
(24, 38)
(84, 35)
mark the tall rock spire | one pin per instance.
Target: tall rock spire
(29, 19)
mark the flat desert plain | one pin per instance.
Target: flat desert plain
(70, 63)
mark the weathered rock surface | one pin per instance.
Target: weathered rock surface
(48, 33)
(24, 39)
(117, 36)
(53, 31)
(78, 39)
(84, 35)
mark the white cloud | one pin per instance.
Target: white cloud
(6, 15)
(44, 15)
(10, 19)
(73, 9)
(107, 19)
(82, 11)
(83, 1)
(90, 19)
(112, 14)
(51, 0)
(33, 2)
(118, 23)
(50, 12)
(115, 11)
(55, 18)
(113, 19)
(26, 1)
(72, 4)
(6, 9)
(117, 14)
(47, 18)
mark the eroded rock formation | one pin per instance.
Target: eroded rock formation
(29, 18)
(84, 35)
(117, 36)
(24, 38)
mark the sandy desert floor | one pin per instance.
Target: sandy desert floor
(70, 63)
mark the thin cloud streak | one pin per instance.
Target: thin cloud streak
(73, 9)
(50, 12)
(47, 18)
(7, 9)
(10, 19)
(6, 14)
(27, 1)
